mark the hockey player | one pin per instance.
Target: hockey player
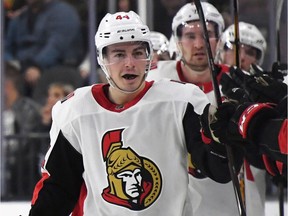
(252, 49)
(252, 46)
(160, 45)
(193, 68)
(127, 141)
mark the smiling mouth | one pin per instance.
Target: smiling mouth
(129, 76)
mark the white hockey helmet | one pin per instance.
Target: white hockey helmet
(249, 35)
(159, 42)
(173, 50)
(121, 27)
(189, 13)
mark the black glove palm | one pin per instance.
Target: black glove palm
(232, 85)
(225, 126)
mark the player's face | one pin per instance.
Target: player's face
(192, 44)
(247, 56)
(55, 93)
(159, 57)
(126, 64)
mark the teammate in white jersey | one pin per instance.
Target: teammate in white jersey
(193, 68)
(121, 148)
(252, 49)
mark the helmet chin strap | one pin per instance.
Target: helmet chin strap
(182, 59)
(186, 64)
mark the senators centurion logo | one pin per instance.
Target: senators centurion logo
(134, 181)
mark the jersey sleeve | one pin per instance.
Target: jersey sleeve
(58, 190)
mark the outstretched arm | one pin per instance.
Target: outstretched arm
(209, 158)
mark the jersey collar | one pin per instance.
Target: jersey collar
(98, 92)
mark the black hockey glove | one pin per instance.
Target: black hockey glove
(227, 82)
(232, 85)
(235, 125)
(221, 126)
(264, 89)
(205, 119)
(257, 85)
(217, 147)
(279, 70)
(243, 124)
(207, 136)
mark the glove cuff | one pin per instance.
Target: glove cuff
(250, 114)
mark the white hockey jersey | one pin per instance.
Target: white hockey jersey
(207, 195)
(132, 158)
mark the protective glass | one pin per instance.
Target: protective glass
(191, 32)
(140, 53)
(249, 51)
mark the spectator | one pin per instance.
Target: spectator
(56, 92)
(12, 8)
(47, 34)
(126, 5)
(26, 111)
(54, 75)
(21, 117)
